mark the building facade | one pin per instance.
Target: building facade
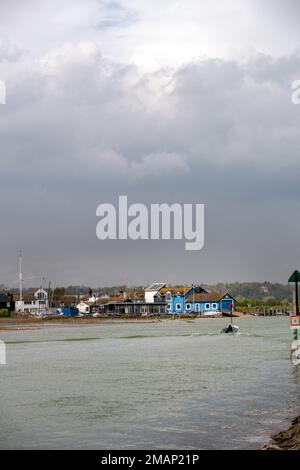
(6, 302)
(83, 307)
(35, 304)
(177, 297)
(135, 309)
(208, 304)
(192, 300)
(153, 291)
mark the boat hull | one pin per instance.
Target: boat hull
(233, 331)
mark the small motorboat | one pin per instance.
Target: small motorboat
(231, 329)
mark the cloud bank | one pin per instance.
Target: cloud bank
(92, 112)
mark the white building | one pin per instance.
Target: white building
(152, 291)
(83, 307)
(38, 303)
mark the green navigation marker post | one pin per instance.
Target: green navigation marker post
(295, 278)
(295, 322)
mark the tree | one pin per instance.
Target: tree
(58, 293)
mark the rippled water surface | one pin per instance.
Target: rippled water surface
(171, 384)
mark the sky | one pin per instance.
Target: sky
(163, 101)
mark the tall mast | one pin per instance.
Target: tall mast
(193, 298)
(21, 276)
(49, 295)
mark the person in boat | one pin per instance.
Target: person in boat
(230, 329)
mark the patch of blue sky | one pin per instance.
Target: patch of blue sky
(116, 15)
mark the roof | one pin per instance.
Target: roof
(181, 290)
(26, 297)
(136, 304)
(209, 297)
(175, 290)
(156, 286)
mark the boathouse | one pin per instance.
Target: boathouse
(176, 297)
(192, 300)
(210, 303)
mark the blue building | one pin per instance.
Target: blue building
(70, 311)
(194, 300)
(176, 297)
(210, 303)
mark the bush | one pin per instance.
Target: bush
(4, 313)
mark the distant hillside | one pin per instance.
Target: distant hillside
(264, 292)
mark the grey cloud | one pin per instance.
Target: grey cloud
(288, 9)
(79, 129)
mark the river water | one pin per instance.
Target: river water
(166, 385)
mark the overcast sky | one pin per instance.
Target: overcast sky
(164, 101)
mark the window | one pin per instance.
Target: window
(170, 307)
(178, 307)
(214, 306)
(207, 306)
(188, 306)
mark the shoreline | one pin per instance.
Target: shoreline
(11, 323)
(286, 440)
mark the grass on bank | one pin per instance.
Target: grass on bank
(4, 313)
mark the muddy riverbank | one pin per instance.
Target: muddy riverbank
(286, 440)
